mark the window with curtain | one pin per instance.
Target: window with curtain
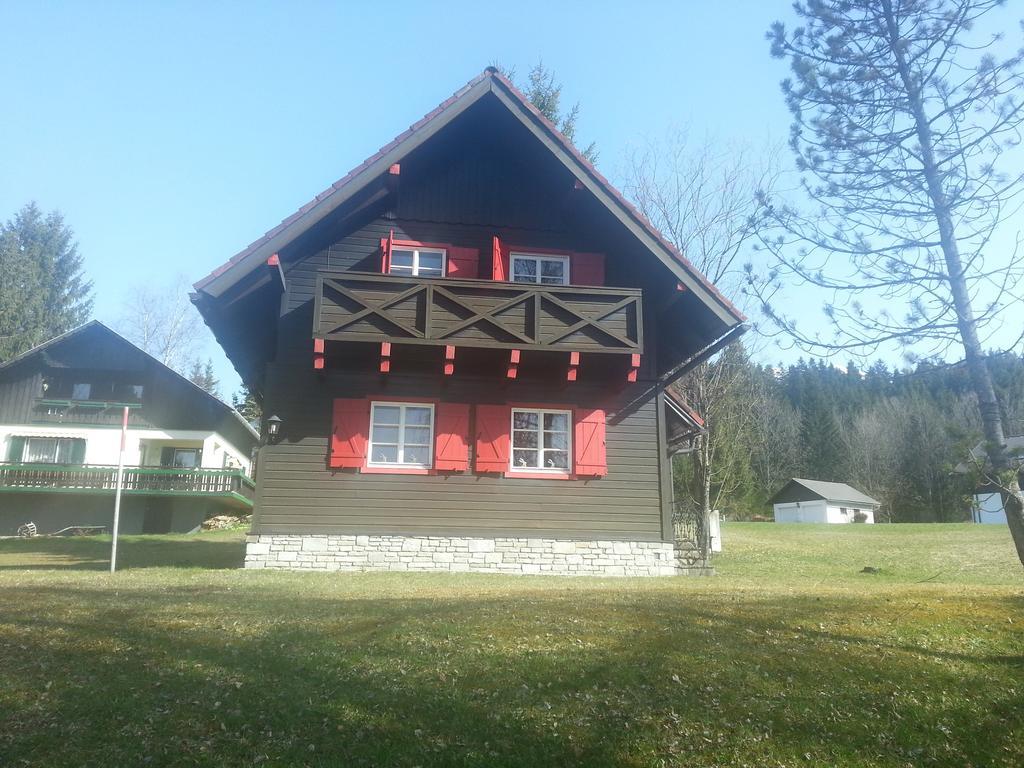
(541, 440)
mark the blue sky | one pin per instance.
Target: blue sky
(172, 135)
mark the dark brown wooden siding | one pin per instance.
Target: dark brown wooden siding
(297, 493)
(18, 393)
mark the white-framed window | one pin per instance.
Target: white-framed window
(47, 450)
(421, 262)
(401, 435)
(541, 440)
(533, 268)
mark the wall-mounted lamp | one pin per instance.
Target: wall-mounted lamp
(273, 428)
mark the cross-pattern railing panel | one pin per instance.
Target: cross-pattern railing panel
(354, 306)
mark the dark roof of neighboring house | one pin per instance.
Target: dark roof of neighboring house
(1014, 449)
(830, 491)
(97, 325)
(490, 80)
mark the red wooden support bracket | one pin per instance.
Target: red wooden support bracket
(513, 364)
(318, 354)
(274, 266)
(449, 360)
(574, 362)
(395, 169)
(634, 367)
(385, 357)
(680, 287)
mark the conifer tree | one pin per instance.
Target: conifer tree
(43, 289)
(903, 117)
(201, 374)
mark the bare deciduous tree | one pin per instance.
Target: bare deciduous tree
(903, 115)
(162, 321)
(703, 197)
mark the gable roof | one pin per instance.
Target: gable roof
(830, 491)
(490, 81)
(97, 325)
(978, 456)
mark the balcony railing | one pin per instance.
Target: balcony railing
(153, 481)
(355, 306)
(59, 411)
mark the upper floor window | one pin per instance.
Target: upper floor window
(81, 391)
(401, 435)
(549, 270)
(540, 440)
(422, 262)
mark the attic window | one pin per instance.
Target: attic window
(421, 262)
(81, 391)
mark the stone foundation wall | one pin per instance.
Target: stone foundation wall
(445, 553)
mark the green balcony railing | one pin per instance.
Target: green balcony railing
(156, 481)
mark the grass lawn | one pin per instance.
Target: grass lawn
(789, 657)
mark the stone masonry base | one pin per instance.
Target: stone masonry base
(445, 553)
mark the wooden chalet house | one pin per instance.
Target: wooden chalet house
(467, 342)
(187, 454)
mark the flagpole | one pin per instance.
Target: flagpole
(117, 492)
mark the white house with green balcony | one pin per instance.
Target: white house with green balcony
(188, 455)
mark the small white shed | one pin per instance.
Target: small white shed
(817, 501)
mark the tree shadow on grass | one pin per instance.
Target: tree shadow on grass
(281, 675)
(93, 553)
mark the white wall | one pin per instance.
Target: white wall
(818, 512)
(103, 445)
(988, 508)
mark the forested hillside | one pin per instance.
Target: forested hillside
(895, 434)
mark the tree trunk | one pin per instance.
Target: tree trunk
(705, 507)
(977, 366)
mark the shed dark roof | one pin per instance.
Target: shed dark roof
(830, 491)
(489, 81)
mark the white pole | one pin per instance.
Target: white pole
(117, 492)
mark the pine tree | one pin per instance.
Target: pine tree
(906, 124)
(545, 93)
(246, 404)
(201, 374)
(821, 440)
(43, 291)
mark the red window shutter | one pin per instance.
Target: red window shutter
(451, 441)
(586, 269)
(386, 244)
(351, 423)
(463, 262)
(500, 261)
(493, 441)
(589, 443)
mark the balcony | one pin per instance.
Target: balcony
(355, 306)
(230, 484)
